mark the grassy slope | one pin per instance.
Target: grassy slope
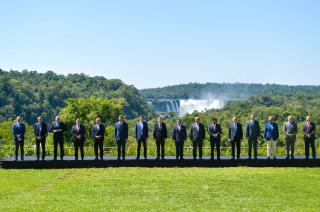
(165, 189)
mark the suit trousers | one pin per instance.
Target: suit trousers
(98, 148)
(78, 144)
(253, 142)
(18, 144)
(307, 143)
(215, 143)
(235, 143)
(121, 146)
(144, 142)
(41, 142)
(55, 148)
(290, 146)
(197, 144)
(160, 145)
(179, 149)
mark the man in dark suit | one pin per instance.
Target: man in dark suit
(235, 136)
(121, 136)
(214, 130)
(18, 131)
(290, 129)
(58, 128)
(179, 135)
(78, 132)
(252, 134)
(98, 132)
(41, 133)
(142, 134)
(160, 134)
(309, 136)
(197, 135)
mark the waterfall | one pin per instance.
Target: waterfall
(181, 107)
(190, 105)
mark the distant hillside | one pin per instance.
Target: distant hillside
(222, 90)
(31, 94)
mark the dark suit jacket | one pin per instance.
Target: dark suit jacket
(121, 131)
(142, 133)
(212, 131)
(311, 131)
(75, 132)
(196, 135)
(179, 135)
(253, 129)
(235, 134)
(58, 136)
(43, 132)
(160, 133)
(98, 132)
(18, 130)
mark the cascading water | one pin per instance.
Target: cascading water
(190, 105)
(181, 107)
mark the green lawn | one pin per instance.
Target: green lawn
(161, 189)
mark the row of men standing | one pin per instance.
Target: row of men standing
(160, 134)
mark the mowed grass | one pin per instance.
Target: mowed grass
(161, 189)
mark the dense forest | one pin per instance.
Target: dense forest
(30, 94)
(233, 91)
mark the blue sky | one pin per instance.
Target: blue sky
(154, 43)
